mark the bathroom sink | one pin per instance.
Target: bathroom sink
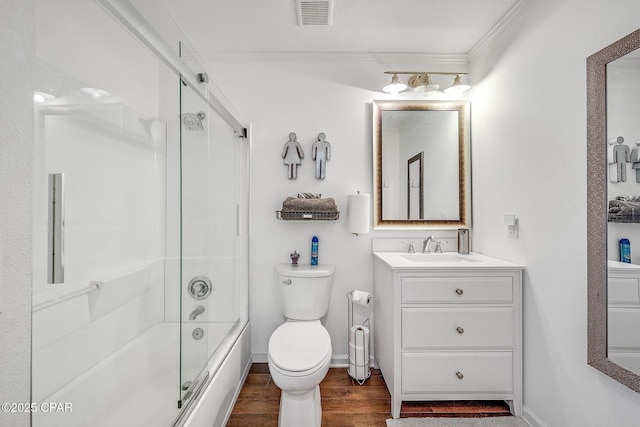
(438, 258)
(446, 260)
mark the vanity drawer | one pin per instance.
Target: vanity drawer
(624, 290)
(462, 373)
(424, 328)
(623, 325)
(459, 290)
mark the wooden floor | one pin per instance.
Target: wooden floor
(345, 403)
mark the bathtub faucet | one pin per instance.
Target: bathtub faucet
(197, 312)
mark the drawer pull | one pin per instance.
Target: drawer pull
(459, 291)
(460, 330)
(459, 375)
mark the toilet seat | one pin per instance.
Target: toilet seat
(299, 347)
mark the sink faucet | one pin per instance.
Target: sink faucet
(197, 312)
(425, 244)
(410, 250)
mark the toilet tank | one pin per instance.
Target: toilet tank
(305, 290)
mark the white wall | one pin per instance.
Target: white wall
(529, 159)
(306, 95)
(17, 20)
(313, 103)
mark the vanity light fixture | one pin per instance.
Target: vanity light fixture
(395, 86)
(95, 92)
(421, 81)
(457, 87)
(40, 97)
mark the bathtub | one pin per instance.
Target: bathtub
(138, 384)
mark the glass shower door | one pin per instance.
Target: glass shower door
(195, 240)
(213, 265)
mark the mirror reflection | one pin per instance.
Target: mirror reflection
(415, 187)
(421, 165)
(623, 194)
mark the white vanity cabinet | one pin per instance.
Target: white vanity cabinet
(623, 322)
(449, 332)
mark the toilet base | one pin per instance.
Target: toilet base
(300, 408)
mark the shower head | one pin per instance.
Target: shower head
(193, 121)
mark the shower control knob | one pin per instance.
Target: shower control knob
(287, 282)
(459, 375)
(459, 291)
(200, 287)
(460, 330)
(197, 333)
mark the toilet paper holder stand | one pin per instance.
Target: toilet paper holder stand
(360, 329)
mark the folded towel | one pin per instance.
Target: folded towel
(623, 210)
(628, 198)
(327, 204)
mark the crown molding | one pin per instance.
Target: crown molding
(383, 58)
(505, 22)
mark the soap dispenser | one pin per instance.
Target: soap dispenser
(463, 241)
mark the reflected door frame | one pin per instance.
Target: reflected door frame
(420, 159)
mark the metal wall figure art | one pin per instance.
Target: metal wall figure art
(621, 157)
(635, 160)
(292, 155)
(321, 152)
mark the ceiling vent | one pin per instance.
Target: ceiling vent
(318, 12)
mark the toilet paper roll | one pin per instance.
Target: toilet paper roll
(359, 345)
(359, 352)
(361, 297)
(358, 213)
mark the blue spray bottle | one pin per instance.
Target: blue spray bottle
(314, 250)
(625, 251)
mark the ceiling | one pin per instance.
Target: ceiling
(215, 27)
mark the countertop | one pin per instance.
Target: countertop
(621, 266)
(446, 260)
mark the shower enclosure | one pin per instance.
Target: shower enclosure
(140, 274)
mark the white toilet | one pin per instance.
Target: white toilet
(300, 349)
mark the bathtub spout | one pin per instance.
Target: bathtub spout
(197, 312)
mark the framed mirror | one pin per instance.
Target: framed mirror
(421, 164)
(613, 312)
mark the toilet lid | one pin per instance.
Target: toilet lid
(299, 346)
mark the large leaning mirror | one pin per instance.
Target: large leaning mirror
(613, 210)
(421, 164)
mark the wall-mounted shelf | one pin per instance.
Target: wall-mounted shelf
(624, 210)
(625, 220)
(307, 215)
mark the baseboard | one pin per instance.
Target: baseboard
(531, 418)
(259, 358)
(339, 361)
